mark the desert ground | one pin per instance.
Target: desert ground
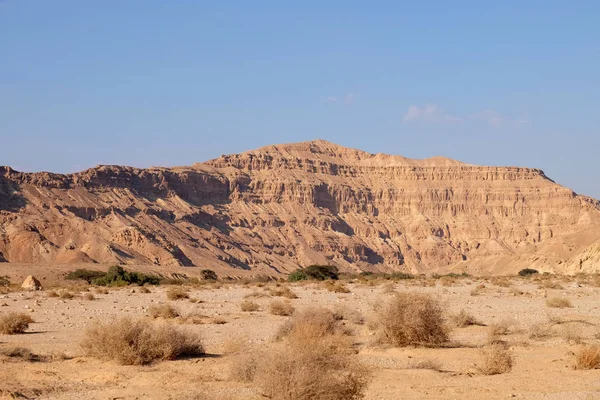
(540, 322)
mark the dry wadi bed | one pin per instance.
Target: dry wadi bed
(507, 338)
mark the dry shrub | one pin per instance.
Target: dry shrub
(244, 368)
(101, 290)
(218, 321)
(344, 313)
(502, 282)
(52, 293)
(283, 308)
(283, 291)
(411, 319)
(548, 284)
(165, 311)
(477, 289)
(336, 287)
(137, 342)
(500, 328)
(65, 294)
(496, 360)
(559, 302)
(248, 305)
(14, 323)
(588, 357)
(22, 354)
(539, 331)
(145, 290)
(464, 319)
(388, 288)
(572, 333)
(89, 296)
(311, 323)
(427, 364)
(177, 293)
(255, 295)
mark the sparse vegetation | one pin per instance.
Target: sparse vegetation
(283, 291)
(177, 293)
(84, 274)
(137, 342)
(208, 275)
(248, 305)
(496, 360)
(14, 323)
(463, 319)
(117, 276)
(588, 357)
(65, 294)
(558, 302)
(314, 272)
(528, 272)
(411, 319)
(313, 322)
(283, 308)
(89, 296)
(165, 311)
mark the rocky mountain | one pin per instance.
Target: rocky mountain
(279, 207)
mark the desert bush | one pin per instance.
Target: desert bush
(52, 293)
(137, 342)
(145, 290)
(248, 305)
(89, 296)
(499, 328)
(283, 308)
(84, 274)
(208, 275)
(463, 319)
(495, 360)
(22, 354)
(558, 302)
(314, 272)
(297, 372)
(433, 365)
(528, 272)
(411, 319)
(165, 311)
(117, 276)
(65, 294)
(244, 368)
(539, 331)
(344, 313)
(477, 289)
(14, 323)
(101, 290)
(311, 323)
(336, 287)
(588, 357)
(177, 293)
(283, 291)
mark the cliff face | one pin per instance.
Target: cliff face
(275, 208)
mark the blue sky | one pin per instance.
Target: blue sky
(157, 82)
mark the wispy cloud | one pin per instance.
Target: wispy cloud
(433, 114)
(346, 99)
(490, 117)
(428, 113)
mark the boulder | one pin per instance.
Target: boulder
(31, 283)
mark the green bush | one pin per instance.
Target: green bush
(84, 274)
(117, 276)
(314, 272)
(528, 272)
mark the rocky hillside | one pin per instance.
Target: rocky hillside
(278, 207)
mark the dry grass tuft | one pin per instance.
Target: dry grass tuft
(539, 331)
(464, 319)
(283, 291)
(165, 311)
(411, 319)
(177, 293)
(477, 289)
(65, 294)
(89, 296)
(496, 360)
(344, 313)
(248, 305)
(145, 290)
(14, 323)
(433, 365)
(500, 328)
(52, 293)
(101, 290)
(559, 302)
(336, 287)
(139, 342)
(283, 308)
(311, 323)
(588, 357)
(22, 354)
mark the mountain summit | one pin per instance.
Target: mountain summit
(273, 209)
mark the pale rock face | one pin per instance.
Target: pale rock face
(280, 207)
(31, 283)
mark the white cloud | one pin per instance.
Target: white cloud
(428, 113)
(490, 117)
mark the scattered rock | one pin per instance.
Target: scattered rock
(31, 283)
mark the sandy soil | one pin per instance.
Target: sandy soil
(542, 370)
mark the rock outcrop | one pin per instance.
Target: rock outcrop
(278, 207)
(31, 283)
